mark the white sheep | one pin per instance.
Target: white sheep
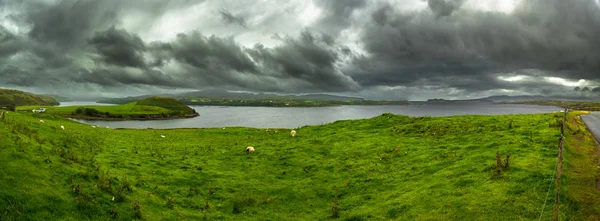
(249, 149)
(62, 127)
(293, 133)
(163, 136)
(107, 127)
(41, 121)
(93, 126)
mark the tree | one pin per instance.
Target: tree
(577, 89)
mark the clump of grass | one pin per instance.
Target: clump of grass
(501, 165)
(193, 191)
(211, 191)
(241, 203)
(170, 203)
(113, 213)
(77, 189)
(137, 210)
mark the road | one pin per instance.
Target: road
(592, 121)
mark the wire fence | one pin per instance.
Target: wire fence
(559, 167)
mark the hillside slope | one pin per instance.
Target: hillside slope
(384, 168)
(20, 98)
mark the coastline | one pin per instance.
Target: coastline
(129, 118)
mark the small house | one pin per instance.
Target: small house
(39, 110)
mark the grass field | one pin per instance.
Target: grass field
(388, 167)
(155, 107)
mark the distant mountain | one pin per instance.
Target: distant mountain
(20, 98)
(223, 94)
(507, 98)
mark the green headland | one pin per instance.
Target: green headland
(153, 108)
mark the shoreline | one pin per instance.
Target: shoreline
(127, 119)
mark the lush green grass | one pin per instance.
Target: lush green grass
(388, 167)
(20, 98)
(155, 107)
(580, 197)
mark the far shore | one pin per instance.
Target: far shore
(129, 118)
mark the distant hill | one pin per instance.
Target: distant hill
(507, 98)
(223, 94)
(168, 103)
(20, 98)
(57, 97)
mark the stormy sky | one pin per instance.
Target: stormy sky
(377, 49)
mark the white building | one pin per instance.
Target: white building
(39, 110)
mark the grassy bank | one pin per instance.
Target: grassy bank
(388, 167)
(580, 198)
(154, 108)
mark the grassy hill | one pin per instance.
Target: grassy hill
(20, 98)
(386, 168)
(225, 98)
(57, 97)
(145, 109)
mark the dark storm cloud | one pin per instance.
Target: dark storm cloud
(9, 43)
(211, 52)
(306, 61)
(444, 7)
(561, 38)
(307, 58)
(444, 46)
(337, 15)
(232, 19)
(119, 47)
(68, 23)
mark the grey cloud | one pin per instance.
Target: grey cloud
(305, 58)
(119, 47)
(443, 8)
(444, 47)
(470, 46)
(209, 52)
(337, 15)
(232, 19)
(68, 23)
(9, 43)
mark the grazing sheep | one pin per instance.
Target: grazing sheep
(293, 133)
(93, 126)
(62, 127)
(107, 127)
(249, 150)
(163, 136)
(41, 121)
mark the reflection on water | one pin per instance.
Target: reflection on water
(291, 117)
